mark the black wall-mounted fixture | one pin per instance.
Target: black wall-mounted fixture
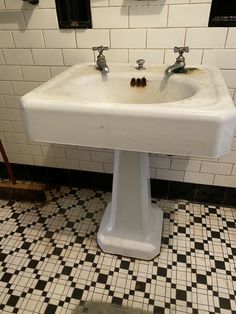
(223, 13)
(74, 13)
(32, 1)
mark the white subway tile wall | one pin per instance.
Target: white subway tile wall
(33, 49)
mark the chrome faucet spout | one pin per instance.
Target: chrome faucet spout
(179, 65)
(102, 65)
(106, 69)
(101, 60)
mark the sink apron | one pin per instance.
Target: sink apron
(131, 226)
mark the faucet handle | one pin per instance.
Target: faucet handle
(100, 49)
(140, 63)
(181, 50)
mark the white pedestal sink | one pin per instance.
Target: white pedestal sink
(188, 114)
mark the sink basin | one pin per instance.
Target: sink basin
(183, 114)
(188, 114)
(115, 88)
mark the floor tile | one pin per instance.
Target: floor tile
(50, 261)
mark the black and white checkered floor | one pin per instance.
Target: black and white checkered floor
(50, 261)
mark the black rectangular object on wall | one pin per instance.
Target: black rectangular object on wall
(74, 13)
(223, 13)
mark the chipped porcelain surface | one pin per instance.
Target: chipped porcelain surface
(184, 114)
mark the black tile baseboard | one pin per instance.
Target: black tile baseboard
(216, 194)
(59, 176)
(103, 181)
(178, 190)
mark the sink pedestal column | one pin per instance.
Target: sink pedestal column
(131, 226)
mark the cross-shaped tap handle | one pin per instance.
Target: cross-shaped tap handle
(181, 50)
(100, 49)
